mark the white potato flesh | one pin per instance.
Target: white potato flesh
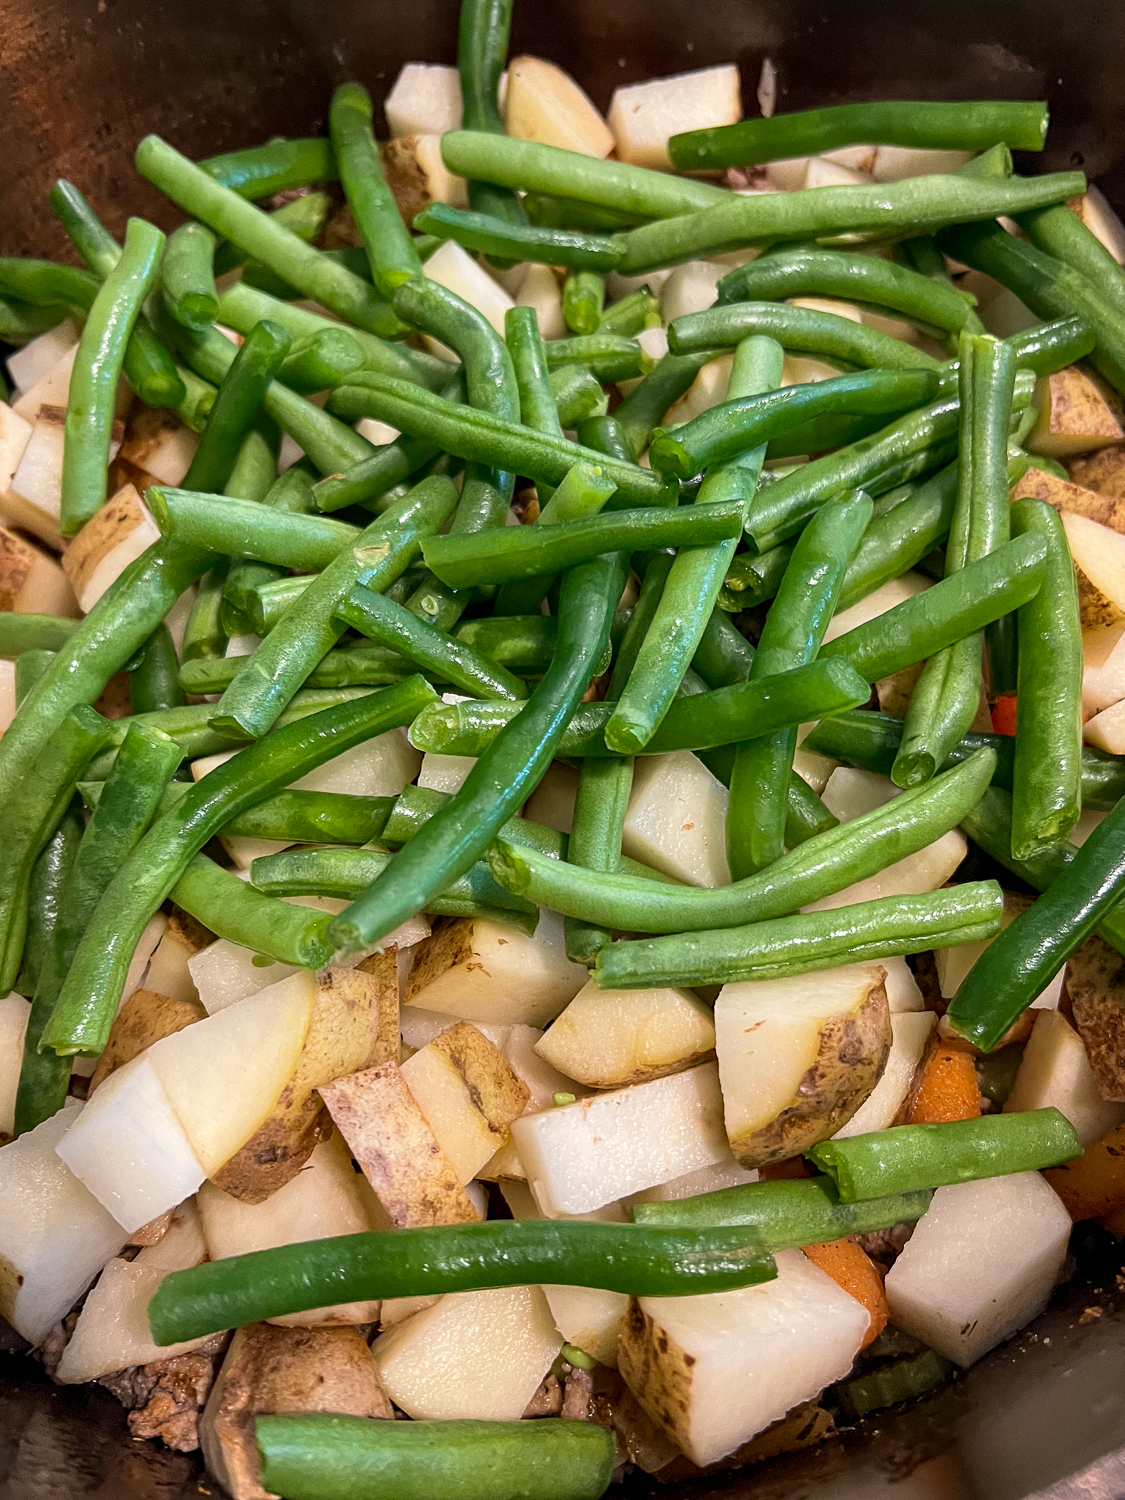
(1087, 822)
(643, 115)
(1103, 675)
(15, 434)
(112, 1332)
(1099, 553)
(506, 977)
(54, 1234)
(590, 1318)
(1107, 729)
(1094, 211)
(476, 1355)
(876, 603)
(224, 973)
(155, 928)
(243, 851)
(51, 389)
(709, 388)
(324, 1199)
(952, 964)
(1055, 1070)
(1004, 315)
(27, 366)
(850, 793)
(375, 431)
(813, 769)
(545, 104)
(444, 773)
(893, 163)
(540, 289)
(797, 1056)
(454, 268)
(676, 822)
(690, 288)
(901, 986)
(523, 1204)
(31, 580)
(441, 184)
(170, 458)
(910, 1031)
(379, 768)
(396, 1310)
(608, 1038)
(7, 693)
(552, 801)
(38, 478)
(14, 1011)
(168, 972)
(182, 1244)
(114, 537)
(419, 1027)
(787, 174)
(821, 172)
(468, 1094)
(980, 1264)
(723, 1174)
(130, 1149)
(584, 1155)
(542, 1082)
(425, 100)
(714, 1370)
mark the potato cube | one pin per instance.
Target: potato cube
(31, 580)
(609, 1038)
(552, 801)
(676, 820)
(160, 445)
(540, 289)
(14, 1011)
(15, 434)
(1055, 1070)
(643, 115)
(1075, 415)
(7, 693)
(417, 176)
(455, 269)
(425, 100)
(144, 1018)
(168, 972)
(113, 538)
(27, 366)
(545, 104)
(910, 1031)
(224, 973)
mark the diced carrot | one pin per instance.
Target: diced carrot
(778, 1171)
(1093, 1185)
(1004, 715)
(853, 1270)
(946, 1088)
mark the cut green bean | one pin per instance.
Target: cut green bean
(584, 296)
(278, 166)
(1060, 232)
(607, 356)
(961, 126)
(647, 404)
(804, 330)
(390, 249)
(188, 277)
(484, 234)
(245, 528)
(20, 633)
(20, 322)
(234, 910)
(640, 309)
(578, 397)
(482, 55)
(321, 361)
(154, 682)
(908, 1158)
(241, 394)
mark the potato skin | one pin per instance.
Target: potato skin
(849, 1063)
(1095, 981)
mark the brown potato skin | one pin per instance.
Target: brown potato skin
(1095, 982)
(146, 1017)
(850, 1061)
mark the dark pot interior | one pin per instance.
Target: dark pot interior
(1043, 1416)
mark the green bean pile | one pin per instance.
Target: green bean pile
(685, 550)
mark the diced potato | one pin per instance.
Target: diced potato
(980, 1264)
(901, 986)
(910, 1031)
(480, 970)
(144, 1018)
(583, 1155)
(155, 928)
(380, 767)
(168, 972)
(476, 1355)
(53, 389)
(323, 1200)
(714, 1370)
(1107, 729)
(821, 172)
(160, 445)
(14, 1011)
(129, 1147)
(540, 290)
(282, 1370)
(690, 288)
(709, 388)
(609, 1038)
(444, 773)
(341, 1038)
(1072, 498)
(1075, 415)
(545, 104)
(37, 482)
(31, 580)
(953, 964)
(224, 973)
(419, 1027)
(425, 100)
(552, 801)
(877, 603)
(389, 1137)
(1055, 1071)
(589, 1318)
(1099, 561)
(643, 115)
(468, 1093)
(15, 434)
(417, 176)
(722, 1174)
(542, 1082)
(1099, 218)
(115, 536)
(396, 1310)
(7, 693)
(1095, 982)
(225, 1075)
(1103, 675)
(798, 1056)
(893, 163)
(54, 1235)
(27, 366)
(676, 820)
(455, 269)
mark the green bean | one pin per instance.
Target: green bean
(241, 394)
(188, 277)
(583, 492)
(807, 271)
(801, 944)
(263, 171)
(528, 551)
(724, 431)
(482, 54)
(246, 528)
(907, 1158)
(804, 330)
(696, 722)
(522, 643)
(1047, 286)
(20, 322)
(20, 633)
(604, 434)
(351, 1458)
(45, 893)
(97, 369)
(321, 361)
(1060, 232)
(29, 668)
(792, 634)
(1047, 772)
(154, 682)
(234, 910)
(195, 405)
(696, 575)
(456, 1257)
(390, 250)
(88, 1001)
(647, 404)
(787, 1213)
(483, 438)
(578, 397)
(253, 478)
(379, 554)
(537, 404)
(724, 656)
(43, 283)
(306, 216)
(254, 232)
(607, 356)
(947, 694)
(453, 840)
(242, 306)
(205, 635)
(637, 310)
(534, 168)
(600, 806)
(370, 666)
(567, 213)
(482, 233)
(918, 205)
(345, 874)
(820, 867)
(584, 295)
(949, 127)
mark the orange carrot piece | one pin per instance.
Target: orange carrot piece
(1093, 1185)
(1004, 715)
(853, 1270)
(946, 1088)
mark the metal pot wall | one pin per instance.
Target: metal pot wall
(84, 80)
